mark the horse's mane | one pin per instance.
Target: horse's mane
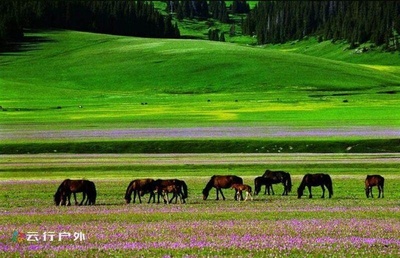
(209, 185)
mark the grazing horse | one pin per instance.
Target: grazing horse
(310, 180)
(277, 177)
(161, 185)
(374, 180)
(239, 190)
(176, 190)
(260, 181)
(68, 187)
(137, 187)
(221, 182)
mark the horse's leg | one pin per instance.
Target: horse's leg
(222, 194)
(379, 191)
(83, 199)
(272, 189)
(309, 191)
(370, 190)
(323, 191)
(68, 199)
(217, 190)
(139, 197)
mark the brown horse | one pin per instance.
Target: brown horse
(239, 190)
(374, 180)
(176, 190)
(277, 177)
(221, 182)
(310, 180)
(68, 187)
(161, 185)
(137, 187)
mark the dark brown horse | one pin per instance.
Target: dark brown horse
(374, 180)
(259, 182)
(161, 187)
(221, 182)
(310, 180)
(137, 187)
(277, 177)
(68, 187)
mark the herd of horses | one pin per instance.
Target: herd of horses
(179, 190)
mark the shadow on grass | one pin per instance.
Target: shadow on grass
(27, 43)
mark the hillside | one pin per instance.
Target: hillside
(94, 62)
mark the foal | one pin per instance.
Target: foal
(175, 190)
(240, 188)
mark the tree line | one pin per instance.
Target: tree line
(357, 22)
(202, 9)
(129, 18)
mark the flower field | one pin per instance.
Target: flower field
(348, 225)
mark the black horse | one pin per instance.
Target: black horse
(374, 180)
(259, 182)
(68, 187)
(222, 182)
(277, 177)
(310, 180)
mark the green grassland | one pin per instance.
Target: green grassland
(212, 82)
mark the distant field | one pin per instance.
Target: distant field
(83, 81)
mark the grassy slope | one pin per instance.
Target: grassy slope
(112, 75)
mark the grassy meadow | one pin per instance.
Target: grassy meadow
(268, 226)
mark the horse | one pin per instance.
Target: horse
(176, 190)
(277, 177)
(68, 187)
(219, 182)
(137, 187)
(310, 180)
(260, 181)
(160, 184)
(374, 180)
(239, 190)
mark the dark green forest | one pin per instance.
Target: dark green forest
(357, 22)
(128, 18)
(272, 22)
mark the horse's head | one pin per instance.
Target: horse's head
(205, 194)
(299, 192)
(128, 199)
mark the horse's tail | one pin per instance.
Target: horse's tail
(93, 193)
(185, 190)
(329, 184)
(289, 183)
(128, 192)
(237, 180)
